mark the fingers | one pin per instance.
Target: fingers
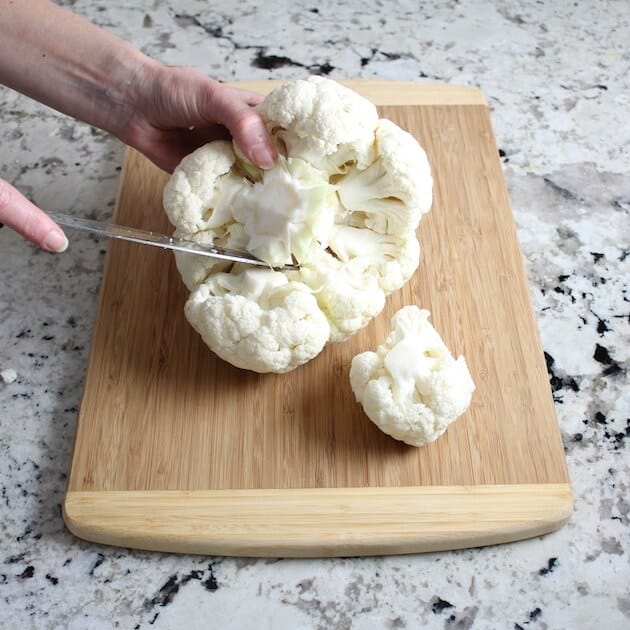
(233, 109)
(251, 98)
(18, 213)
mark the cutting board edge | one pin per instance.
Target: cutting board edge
(318, 522)
(391, 92)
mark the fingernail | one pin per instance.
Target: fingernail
(56, 241)
(262, 155)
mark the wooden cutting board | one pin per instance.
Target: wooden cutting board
(177, 450)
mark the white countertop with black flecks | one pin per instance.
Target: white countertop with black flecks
(557, 76)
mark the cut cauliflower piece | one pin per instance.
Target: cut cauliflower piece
(258, 320)
(321, 122)
(411, 387)
(396, 189)
(332, 149)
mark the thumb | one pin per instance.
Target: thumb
(18, 213)
(231, 108)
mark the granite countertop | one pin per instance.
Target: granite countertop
(557, 76)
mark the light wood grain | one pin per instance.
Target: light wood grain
(318, 522)
(161, 413)
(394, 92)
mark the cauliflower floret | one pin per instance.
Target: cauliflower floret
(411, 387)
(396, 190)
(392, 259)
(199, 193)
(258, 320)
(332, 149)
(321, 122)
(348, 301)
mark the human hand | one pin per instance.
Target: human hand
(62, 60)
(177, 110)
(18, 213)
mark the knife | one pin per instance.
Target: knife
(111, 230)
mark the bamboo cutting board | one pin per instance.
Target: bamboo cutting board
(178, 451)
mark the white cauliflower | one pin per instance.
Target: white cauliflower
(343, 199)
(396, 189)
(321, 122)
(258, 320)
(411, 387)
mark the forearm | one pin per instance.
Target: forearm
(64, 61)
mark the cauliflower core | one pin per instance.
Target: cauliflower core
(343, 199)
(411, 387)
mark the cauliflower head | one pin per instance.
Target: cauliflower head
(411, 387)
(343, 199)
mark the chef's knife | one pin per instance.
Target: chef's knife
(111, 230)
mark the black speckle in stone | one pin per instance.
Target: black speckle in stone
(28, 573)
(52, 579)
(551, 565)
(272, 62)
(549, 360)
(501, 153)
(25, 333)
(596, 256)
(622, 435)
(602, 326)
(600, 418)
(67, 561)
(147, 22)
(563, 277)
(97, 564)
(438, 605)
(556, 382)
(166, 593)
(193, 575)
(72, 322)
(364, 61)
(601, 86)
(577, 437)
(211, 583)
(517, 626)
(534, 614)
(603, 356)
(157, 614)
(323, 69)
(563, 192)
(314, 10)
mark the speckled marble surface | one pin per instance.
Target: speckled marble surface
(557, 75)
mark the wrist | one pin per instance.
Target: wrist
(126, 91)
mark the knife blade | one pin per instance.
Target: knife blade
(111, 230)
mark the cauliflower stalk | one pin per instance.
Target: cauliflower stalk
(343, 199)
(411, 387)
